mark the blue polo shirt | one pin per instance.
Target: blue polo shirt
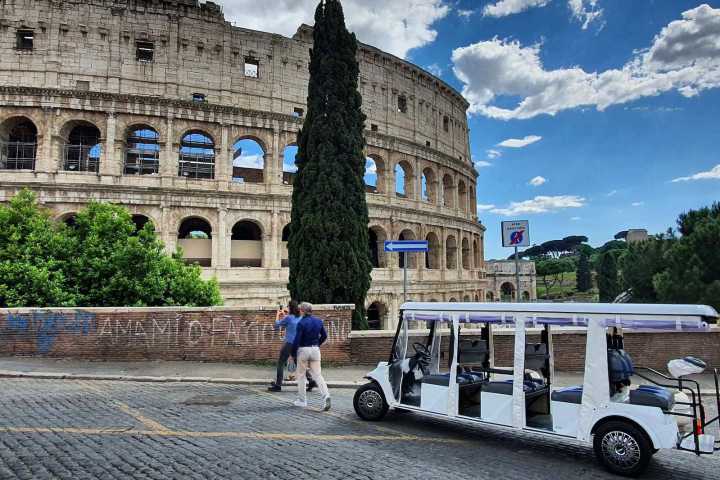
(290, 323)
(310, 333)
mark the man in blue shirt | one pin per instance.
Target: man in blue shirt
(309, 335)
(287, 319)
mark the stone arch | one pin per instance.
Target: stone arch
(246, 244)
(476, 254)
(462, 196)
(465, 254)
(489, 296)
(376, 244)
(452, 300)
(82, 146)
(432, 256)
(197, 155)
(140, 221)
(195, 238)
(404, 179)
(507, 292)
(429, 185)
(142, 150)
(284, 239)
(18, 143)
(448, 191)
(526, 296)
(451, 253)
(68, 218)
(467, 298)
(289, 166)
(377, 313)
(407, 234)
(249, 154)
(379, 172)
(477, 297)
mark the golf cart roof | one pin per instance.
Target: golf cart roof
(635, 316)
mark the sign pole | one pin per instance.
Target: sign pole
(404, 276)
(517, 276)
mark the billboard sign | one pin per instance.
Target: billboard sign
(516, 233)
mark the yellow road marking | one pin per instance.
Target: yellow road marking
(243, 435)
(149, 423)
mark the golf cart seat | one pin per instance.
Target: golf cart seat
(652, 396)
(568, 395)
(531, 388)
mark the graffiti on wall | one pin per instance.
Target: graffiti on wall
(46, 325)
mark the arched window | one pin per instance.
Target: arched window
(18, 144)
(429, 185)
(371, 177)
(195, 240)
(285, 257)
(466, 254)
(142, 154)
(452, 300)
(140, 221)
(289, 166)
(526, 296)
(247, 246)
(376, 316)
(432, 256)
(403, 180)
(81, 153)
(489, 297)
(467, 298)
(476, 255)
(197, 156)
(507, 292)
(462, 196)
(451, 253)
(69, 219)
(248, 161)
(376, 244)
(448, 192)
(411, 263)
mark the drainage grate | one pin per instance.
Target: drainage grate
(210, 400)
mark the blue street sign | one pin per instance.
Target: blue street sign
(406, 246)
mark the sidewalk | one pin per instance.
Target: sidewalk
(237, 373)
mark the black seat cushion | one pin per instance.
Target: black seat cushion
(568, 395)
(652, 396)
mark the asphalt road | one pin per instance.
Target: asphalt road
(70, 429)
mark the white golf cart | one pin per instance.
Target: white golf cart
(436, 371)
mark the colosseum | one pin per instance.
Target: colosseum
(190, 122)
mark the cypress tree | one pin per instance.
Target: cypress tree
(328, 247)
(607, 278)
(583, 274)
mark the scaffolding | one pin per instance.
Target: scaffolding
(17, 155)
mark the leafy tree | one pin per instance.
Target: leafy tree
(551, 272)
(621, 235)
(692, 271)
(639, 264)
(100, 262)
(607, 277)
(583, 273)
(328, 245)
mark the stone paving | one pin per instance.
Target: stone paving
(71, 429)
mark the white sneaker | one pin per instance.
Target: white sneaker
(326, 406)
(300, 403)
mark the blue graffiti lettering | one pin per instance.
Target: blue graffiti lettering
(48, 325)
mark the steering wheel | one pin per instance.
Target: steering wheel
(421, 348)
(422, 357)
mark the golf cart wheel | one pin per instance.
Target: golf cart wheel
(622, 448)
(369, 402)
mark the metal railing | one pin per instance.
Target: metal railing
(81, 158)
(17, 155)
(142, 162)
(196, 166)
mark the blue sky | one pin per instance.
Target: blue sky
(583, 112)
(602, 171)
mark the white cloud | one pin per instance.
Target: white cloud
(638, 204)
(395, 27)
(370, 168)
(509, 7)
(435, 69)
(482, 164)
(712, 174)
(612, 193)
(519, 142)
(249, 161)
(585, 11)
(484, 207)
(537, 181)
(493, 154)
(541, 204)
(575, 219)
(465, 14)
(683, 57)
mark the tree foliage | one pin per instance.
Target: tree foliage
(639, 264)
(552, 271)
(583, 273)
(99, 262)
(607, 277)
(328, 245)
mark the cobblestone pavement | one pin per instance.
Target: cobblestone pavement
(69, 429)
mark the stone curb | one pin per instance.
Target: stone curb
(150, 379)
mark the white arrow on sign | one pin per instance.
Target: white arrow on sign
(406, 246)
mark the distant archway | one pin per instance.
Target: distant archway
(432, 256)
(197, 156)
(407, 234)
(507, 292)
(247, 246)
(376, 244)
(448, 192)
(248, 161)
(466, 254)
(195, 240)
(376, 316)
(289, 166)
(451, 253)
(140, 221)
